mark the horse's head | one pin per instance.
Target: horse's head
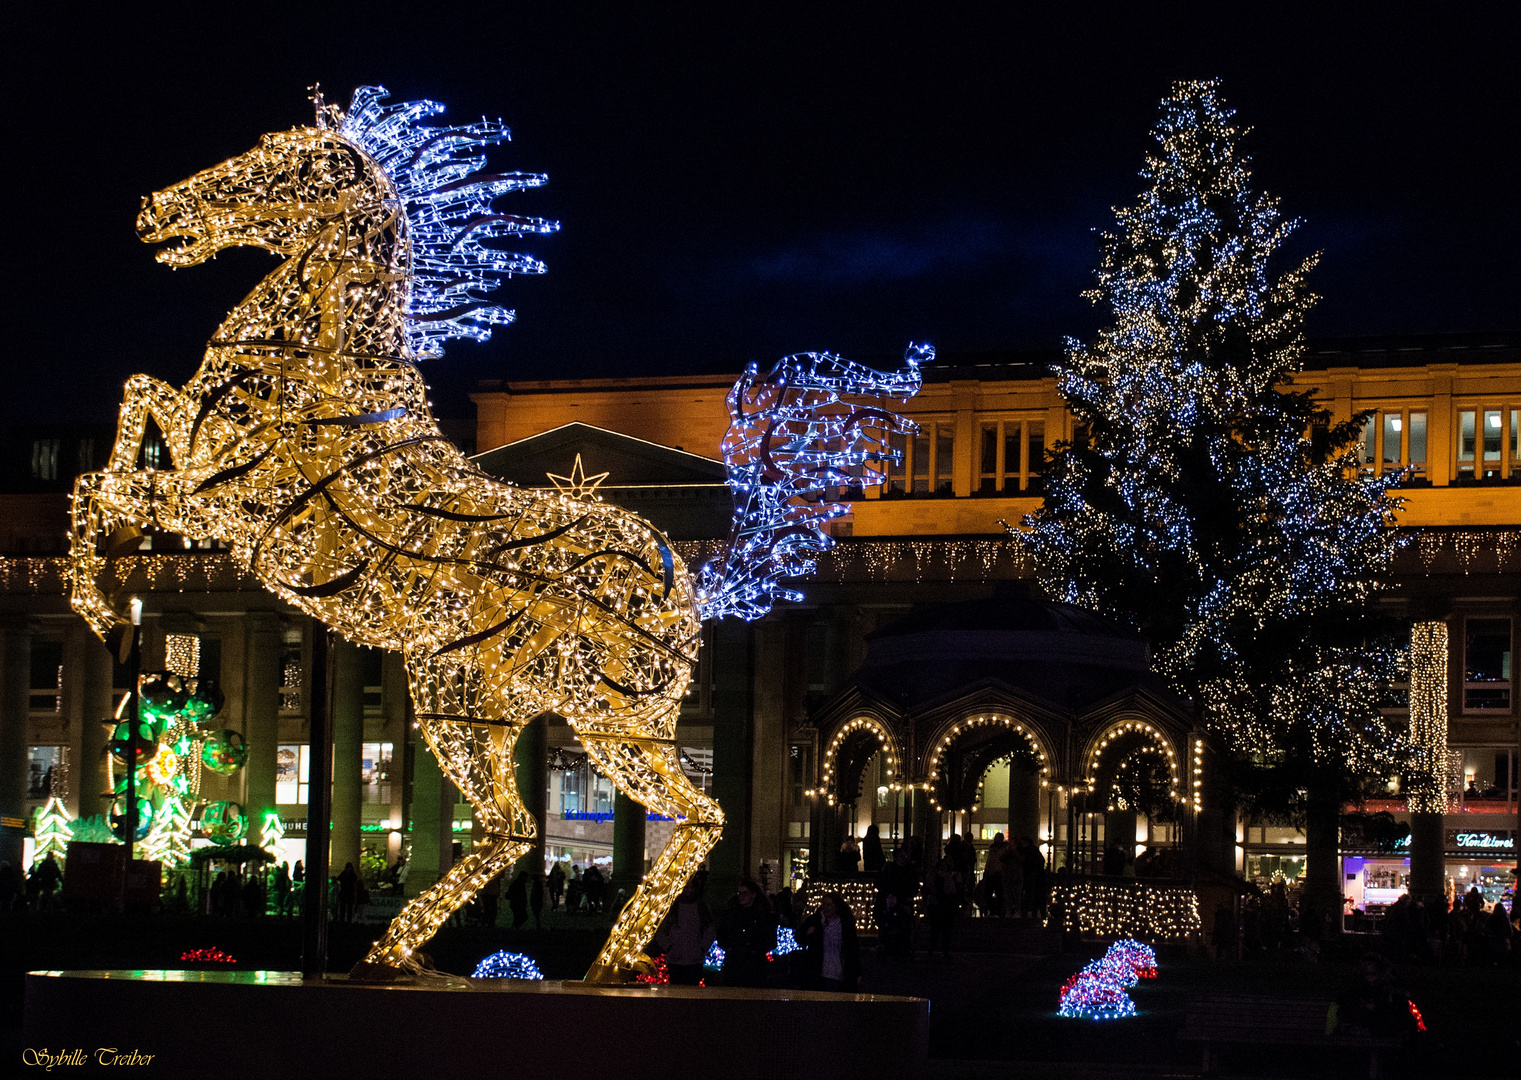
(277, 196)
(826, 371)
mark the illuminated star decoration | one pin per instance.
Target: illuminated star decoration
(578, 485)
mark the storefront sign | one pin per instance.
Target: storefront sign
(1487, 841)
(601, 817)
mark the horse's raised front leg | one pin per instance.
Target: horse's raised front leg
(146, 396)
(108, 511)
(473, 742)
(648, 770)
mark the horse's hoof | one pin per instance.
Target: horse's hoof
(123, 541)
(366, 972)
(621, 975)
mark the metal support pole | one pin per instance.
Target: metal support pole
(134, 715)
(318, 812)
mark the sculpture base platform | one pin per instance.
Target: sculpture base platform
(258, 1025)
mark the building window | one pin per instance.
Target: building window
(926, 461)
(45, 459)
(1012, 456)
(292, 773)
(1489, 443)
(1393, 439)
(1486, 666)
(44, 772)
(47, 677)
(375, 771)
(799, 772)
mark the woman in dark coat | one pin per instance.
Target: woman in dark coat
(831, 953)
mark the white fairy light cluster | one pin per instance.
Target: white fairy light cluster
(794, 437)
(1132, 910)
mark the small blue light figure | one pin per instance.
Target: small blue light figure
(506, 965)
(714, 961)
(795, 442)
(786, 942)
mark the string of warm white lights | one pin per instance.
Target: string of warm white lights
(938, 783)
(1129, 910)
(306, 445)
(1426, 777)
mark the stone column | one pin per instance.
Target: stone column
(628, 844)
(348, 735)
(261, 717)
(90, 785)
(532, 757)
(768, 757)
(15, 702)
(732, 683)
(432, 820)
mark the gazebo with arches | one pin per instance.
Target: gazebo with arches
(1017, 715)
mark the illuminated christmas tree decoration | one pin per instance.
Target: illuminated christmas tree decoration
(506, 965)
(1205, 502)
(306, 444)
(271, 832)
(51, 831)
(714, 960)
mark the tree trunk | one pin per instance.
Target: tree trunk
(1320, 909)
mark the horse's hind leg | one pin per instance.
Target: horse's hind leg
(649, 772)
(455, 709)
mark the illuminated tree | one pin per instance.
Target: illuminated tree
(1202, 502)
(52, 832)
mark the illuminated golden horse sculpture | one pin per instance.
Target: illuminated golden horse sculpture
(305, 443)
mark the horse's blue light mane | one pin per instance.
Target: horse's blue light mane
(447, 201)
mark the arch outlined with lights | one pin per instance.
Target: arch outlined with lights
(1147, 731)
(947, 739)
(887, 745)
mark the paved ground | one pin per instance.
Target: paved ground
(991, 1014)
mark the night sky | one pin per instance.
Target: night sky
(736, 182)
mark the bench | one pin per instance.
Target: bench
(1274, 1021)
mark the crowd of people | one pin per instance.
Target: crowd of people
(1468, 931)
(35, 891)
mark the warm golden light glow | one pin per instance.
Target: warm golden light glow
(305, 444)
(1428, 718)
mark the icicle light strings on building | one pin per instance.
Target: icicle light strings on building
(305, 443)
(1428, 718)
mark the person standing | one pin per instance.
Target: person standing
(556, 883)
(282, 890)
(348, 889)
(872, 857)
(746, 933)
(849, 857)
(831, 952)
(992, 876)
(685, 934)
(943, 891)
(517, 899)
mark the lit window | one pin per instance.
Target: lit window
(292, 771)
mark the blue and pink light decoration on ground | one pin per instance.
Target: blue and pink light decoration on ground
(506, 965)
(795, 441)
(1098, 992)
